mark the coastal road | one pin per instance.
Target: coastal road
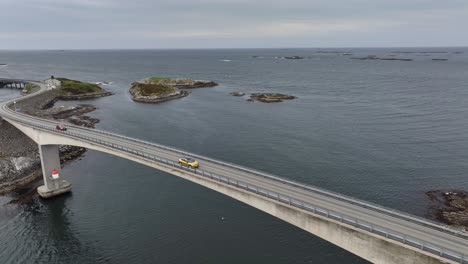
(422, 234)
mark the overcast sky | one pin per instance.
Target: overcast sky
(127, 24)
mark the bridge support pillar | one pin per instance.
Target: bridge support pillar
(53, 183)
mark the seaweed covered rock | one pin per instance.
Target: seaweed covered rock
(271, 97)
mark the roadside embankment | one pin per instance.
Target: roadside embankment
(19, 155)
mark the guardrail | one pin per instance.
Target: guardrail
(369, 227)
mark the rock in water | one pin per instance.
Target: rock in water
(237, 94)
(294, 58)
(271, 97)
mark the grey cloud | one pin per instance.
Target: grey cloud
(230, 23)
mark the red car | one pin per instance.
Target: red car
(61, 127)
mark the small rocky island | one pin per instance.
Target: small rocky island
(450, 207)
(77, 90)
(161, 89)
(265, 97)
(270, 97)
(237, 93)
(374, 57)
(289, 57)
(294, 58)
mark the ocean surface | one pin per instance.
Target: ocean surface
(382, 131)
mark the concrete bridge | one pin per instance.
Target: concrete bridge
(373, 232)
(12, 83)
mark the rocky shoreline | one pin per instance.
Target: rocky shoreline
(155, 99)
(83, 120)
(84, 96)
(271, 97)
(43, 106)
(62, 112)
(450, 207)
(265, 97)
(20, 163)
(374, 57)
(31, 171)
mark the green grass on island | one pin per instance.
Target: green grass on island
(30, 88)
(169, 81)
(159, 79)
(76, 87)
(155, 89)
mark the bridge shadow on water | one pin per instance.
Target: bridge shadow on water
(45, 227)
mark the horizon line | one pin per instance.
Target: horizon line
(232, 48)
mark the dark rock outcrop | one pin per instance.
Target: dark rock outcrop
(368, 57)
(271, 97)
(450, 207)
(63, 112)
(395, 59)
(83, 120)
(68, 97)
(374, 57)
(294, 58)
(237, 94)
